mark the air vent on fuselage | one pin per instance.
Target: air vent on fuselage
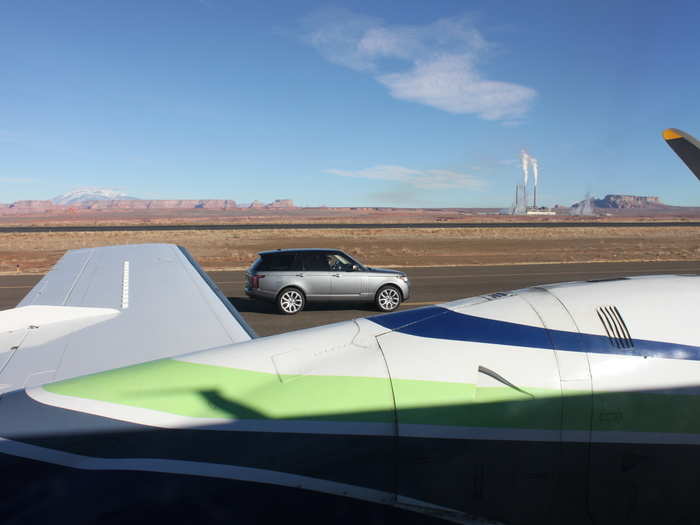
(615, 326)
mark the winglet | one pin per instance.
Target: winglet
(686, 147)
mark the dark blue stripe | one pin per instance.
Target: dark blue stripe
(440, 323)
(399, 319)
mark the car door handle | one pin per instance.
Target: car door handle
(336, 275)
(300, 275)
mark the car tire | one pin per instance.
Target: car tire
(388, 298)
(290, 301)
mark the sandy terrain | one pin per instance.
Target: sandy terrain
(109, 217)
(217, 250)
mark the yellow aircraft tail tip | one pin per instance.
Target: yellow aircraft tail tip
(685, 146)
(672, 133)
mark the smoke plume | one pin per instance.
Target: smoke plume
(535, 170)
(524, 160)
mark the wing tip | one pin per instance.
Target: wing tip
(672, 133)
(685, 146)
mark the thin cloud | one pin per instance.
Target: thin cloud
(399, 196)
(336, 34)
(434, 64)
(432, 179)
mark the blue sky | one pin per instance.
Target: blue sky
(347, 104)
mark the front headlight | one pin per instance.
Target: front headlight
(403, 278)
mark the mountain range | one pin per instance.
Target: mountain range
(90, 194)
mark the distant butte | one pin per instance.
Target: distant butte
(628, 201)
(624, 202)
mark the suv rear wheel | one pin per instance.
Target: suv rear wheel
(388, 298)
(290, 301)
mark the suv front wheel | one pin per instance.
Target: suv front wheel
(290, 301)
(388, 298)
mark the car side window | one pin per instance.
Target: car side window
(316, 262)
(297, 262)
(280, 262)
(338, 263)
(266, 263)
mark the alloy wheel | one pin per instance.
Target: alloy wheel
(291, 301)
(389, 299)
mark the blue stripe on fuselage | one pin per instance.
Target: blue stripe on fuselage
(441, 323)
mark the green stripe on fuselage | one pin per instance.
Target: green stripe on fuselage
(206, 391)
(461, 404)
(647, 412)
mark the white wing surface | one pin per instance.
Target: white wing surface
(103, 308)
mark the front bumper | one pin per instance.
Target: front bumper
(405, 291)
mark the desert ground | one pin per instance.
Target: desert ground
(136, 217)
(401, 247)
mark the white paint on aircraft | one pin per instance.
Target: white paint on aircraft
(125, 286)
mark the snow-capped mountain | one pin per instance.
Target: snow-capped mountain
(91, 194)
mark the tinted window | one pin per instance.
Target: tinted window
(339, 262)
(316, 261)
(280, 262)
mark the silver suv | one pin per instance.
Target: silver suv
(291, 278)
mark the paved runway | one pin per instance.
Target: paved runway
(429, 286)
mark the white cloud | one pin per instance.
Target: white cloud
(451, 83)
(434, 64)
(336, 33)
(432, 179)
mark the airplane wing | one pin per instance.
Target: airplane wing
(104, 308)
(686, 147)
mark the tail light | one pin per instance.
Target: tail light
(255, 281)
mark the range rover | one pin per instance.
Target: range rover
(294, 277)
